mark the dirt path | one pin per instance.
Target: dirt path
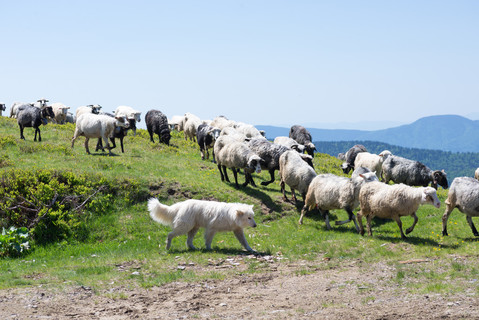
(284, 291)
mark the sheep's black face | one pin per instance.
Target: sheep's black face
(47, 112)
(2, 107)
(165, 137)
(441, 179)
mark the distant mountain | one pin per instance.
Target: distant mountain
(444, 132)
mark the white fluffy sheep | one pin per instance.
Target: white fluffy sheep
(250, 131)
(373, 162)
(330, 192)
(222, 122)
(393, 201)
(290, 143)
(176, 123)
(60, 110)
(91, 108)
(296, 173)
(92, 125)
(236, 155)
(463, 195)
(192, 123)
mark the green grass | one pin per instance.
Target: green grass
(125, 248)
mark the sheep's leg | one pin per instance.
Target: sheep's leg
(265, 183)
(398, 221)
(249, 179)
(445, 217)
(303, 211)
(214, 158)
(293, 195)
(209, 234)
(86, 145)
(21, 132)
(242, 239)
(151, 135)
(326, 219)
(226, 173)
(221, 173)
(473, 227)
(351, 217)
(368, 220)
(283, 190)
(121, 143)
(37, 129)
(99, 145)
(236, 178)
(411, 228)
(191, 235)
(112, 140)
(202, 154)
(360, 222)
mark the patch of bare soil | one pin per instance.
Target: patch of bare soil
(303, 290)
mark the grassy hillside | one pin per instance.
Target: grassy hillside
(124, 235)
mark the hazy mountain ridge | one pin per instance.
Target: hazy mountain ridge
(441, 132)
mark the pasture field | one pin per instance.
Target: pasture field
(124, 250)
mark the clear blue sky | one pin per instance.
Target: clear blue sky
(261, 62)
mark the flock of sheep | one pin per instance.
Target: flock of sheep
(240, 146)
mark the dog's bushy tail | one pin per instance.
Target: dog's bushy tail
(160, 212)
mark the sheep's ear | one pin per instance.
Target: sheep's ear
(239, 213)
(362, 176)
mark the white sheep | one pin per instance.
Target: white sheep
(91, 108)
(176, 123)
(290, 143)
(128, 112)
(60, 110)
(373, 162)
(296, 173)
(236, 155)
(222, 122)
(192, 123)
(234, 134)
(92, 125)
(16, 106)
(463, 195)
(249, 131)
(329, 192)
(393, 201)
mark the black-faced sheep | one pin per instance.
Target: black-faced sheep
(130, 114)
(296, 173)
(302, 136)
(157, 123)
(236, 155)
(329, 192)
(92, 125)
(393, 201)
(206, 136)
(412, 173)
(463, 195)
(2, 108)
(32, 117)
(350, 157)
(290, 143)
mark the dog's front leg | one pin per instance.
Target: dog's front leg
(209, 234)
(242, 239)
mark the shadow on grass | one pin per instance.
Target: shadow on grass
(409, 239)
(104, 154)
(225, 251)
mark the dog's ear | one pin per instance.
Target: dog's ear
(239, 213)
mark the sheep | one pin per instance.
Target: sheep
(29, 116)
(41, 103)
(350, 157)
(70, 118)
(373, 162)
(91, 108)
(412, 173)
(60, 110)
(236, 155)
(206, 136)
(463, 195)
(2, 108)
(296, 173)
(92, 125)
(270, 153)
(359, 170)
(476, 174)
(290, 143)
(156, 122)
(302, 136)
(233, 133)
(393, 202)
(119, 132)
(192, 123)
(250, 131)
(222, 122)
(328, 192)
(176, 123)
(130, 114)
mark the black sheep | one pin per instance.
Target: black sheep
(206, 136)
(156, 122)
(119, 132)
(32, 117)
(302, 136)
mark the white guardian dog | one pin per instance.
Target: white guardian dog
(188, 216)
